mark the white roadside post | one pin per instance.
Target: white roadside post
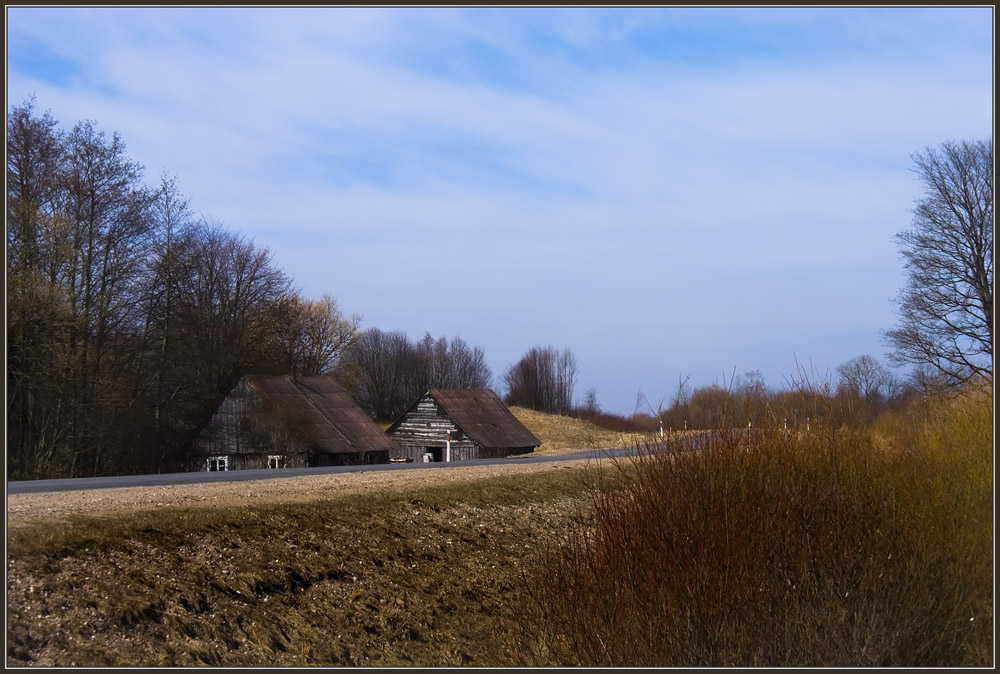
(447, 454)
(661, 429)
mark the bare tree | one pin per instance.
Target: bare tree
(946, 309)
(754, 395)
(378, 372)
(543, 380)
(108, 212)
(469, 365)
(313, 334)
(567, 371)
(37, 315)
(865, 377)
(227, 302)
(385, 372)
(170, 234)
(926, 380)
(710, 407)
(127, 320)
(452, 364)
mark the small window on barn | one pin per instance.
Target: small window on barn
(275, 461)
(217, 463)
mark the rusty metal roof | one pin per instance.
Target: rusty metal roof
(330, 418)
(484, 417)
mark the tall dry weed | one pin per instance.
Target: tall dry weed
(838, 546)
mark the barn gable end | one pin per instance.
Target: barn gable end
(458, 425)
(286, 422)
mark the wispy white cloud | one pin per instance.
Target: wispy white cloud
(724, 183)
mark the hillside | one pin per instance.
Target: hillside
(409, 572)
(559, 434)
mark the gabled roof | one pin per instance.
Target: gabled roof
(330, 418)
(483, 417)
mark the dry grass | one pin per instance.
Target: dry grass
(560, 434)
(839, 547)
(850, 547)
(366, 569)
(417, 576)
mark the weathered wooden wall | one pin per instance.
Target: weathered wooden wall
(245, 432)
(426, 425)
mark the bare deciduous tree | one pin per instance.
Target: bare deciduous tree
(754, 396)
(107, 209)
(227, 302)
(866, 378)
(946, 309)
(314, 334)
(126, 321)
(377, 372)
(543, 380)
(37, 314)
(452, 364)
(385, 372)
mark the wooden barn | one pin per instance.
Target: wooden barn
(288, 422)
(458, 425)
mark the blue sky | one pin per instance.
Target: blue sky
(667, 191)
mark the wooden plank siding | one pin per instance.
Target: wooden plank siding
(288, 422)
(424, 428)
(242, 431)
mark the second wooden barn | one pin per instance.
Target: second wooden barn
(458, 425)
(288, 422)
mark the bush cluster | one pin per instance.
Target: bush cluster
(840, 546)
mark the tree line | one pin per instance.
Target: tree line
(863, 389)
(385, 372)
(128, 316)
(945, 311)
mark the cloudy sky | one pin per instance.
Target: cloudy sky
(668, 192)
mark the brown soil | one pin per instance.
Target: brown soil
(411, 567)
(415, 567)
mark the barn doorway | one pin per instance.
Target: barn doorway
(436, 452)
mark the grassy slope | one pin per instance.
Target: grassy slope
(418, 577)
(560, 433)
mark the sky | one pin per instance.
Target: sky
(671, 193)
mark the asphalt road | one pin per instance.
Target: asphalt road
(202, 477)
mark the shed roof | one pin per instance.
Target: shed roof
(483, 417)
(332, 421)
